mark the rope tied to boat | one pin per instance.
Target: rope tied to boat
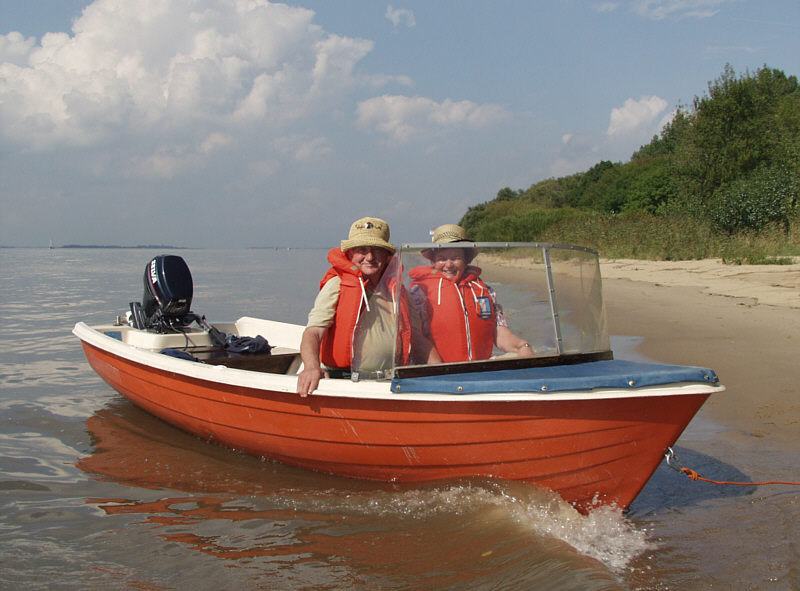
(675, 463)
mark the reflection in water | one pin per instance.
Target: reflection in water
(294, 526)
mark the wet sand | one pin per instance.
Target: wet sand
(743, 321)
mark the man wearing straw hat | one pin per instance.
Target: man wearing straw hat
(352, 327)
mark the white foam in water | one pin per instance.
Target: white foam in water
(604, 534)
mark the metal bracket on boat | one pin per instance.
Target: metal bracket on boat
(670, 457)
(379, 374)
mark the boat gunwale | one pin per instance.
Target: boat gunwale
(366, 389)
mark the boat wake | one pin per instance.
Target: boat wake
(519, 509)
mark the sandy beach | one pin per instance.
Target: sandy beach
(743, 321)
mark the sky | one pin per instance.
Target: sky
(237, 123)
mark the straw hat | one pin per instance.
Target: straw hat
(450, 234)
(368, 232)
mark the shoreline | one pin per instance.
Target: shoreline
(741, 321)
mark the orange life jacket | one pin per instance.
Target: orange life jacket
(336, 349)
(461, 314)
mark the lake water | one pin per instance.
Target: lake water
(96, 494)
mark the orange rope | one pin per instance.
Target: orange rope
(695, 476)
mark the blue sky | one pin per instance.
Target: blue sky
(231, 123)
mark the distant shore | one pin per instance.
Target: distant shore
(140, 246)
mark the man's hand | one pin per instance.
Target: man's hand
(308, 379)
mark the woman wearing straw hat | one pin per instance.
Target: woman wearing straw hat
(460, 312)
(352, 326)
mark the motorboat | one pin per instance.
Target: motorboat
(570, 417)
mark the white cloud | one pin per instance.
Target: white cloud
(14, 48)
(635, 116)
(300, 148)
(666, 119)
(164, 163)
(170, 160)
(404, 118)
(661, 9)
(578, 152)
(263, 169)
(631, 126)
(215, 141)
(606, 6)
(400, 16)
(381, 80)
(156, 67)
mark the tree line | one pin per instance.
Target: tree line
(724, 170)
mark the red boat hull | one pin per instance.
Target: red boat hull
(589, 452)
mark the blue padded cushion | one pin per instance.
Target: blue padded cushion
(612, 373)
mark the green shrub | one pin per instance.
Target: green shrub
(769, 196)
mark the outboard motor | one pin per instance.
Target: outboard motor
(167, 299)
(166, 306)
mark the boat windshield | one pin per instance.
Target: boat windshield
(486, 305)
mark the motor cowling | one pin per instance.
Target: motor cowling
(168, 291)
